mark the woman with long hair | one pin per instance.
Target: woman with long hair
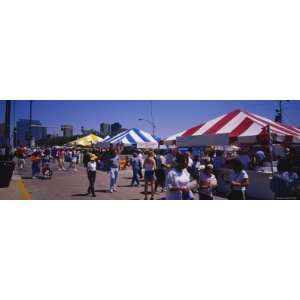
(207, 183)
(149, 175)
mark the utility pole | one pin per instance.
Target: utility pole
(280, 110)
(7, 126)
(14, 125)
(278, 116)
(30, 123)
(270, 141)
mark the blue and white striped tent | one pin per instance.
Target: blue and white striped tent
(132, 137)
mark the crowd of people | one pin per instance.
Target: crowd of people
(180, 175)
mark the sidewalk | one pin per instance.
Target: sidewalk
(16, 190)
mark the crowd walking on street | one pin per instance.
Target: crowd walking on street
(168, 174)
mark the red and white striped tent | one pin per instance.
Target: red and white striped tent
(237, 126)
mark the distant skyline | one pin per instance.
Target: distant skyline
(169, 116)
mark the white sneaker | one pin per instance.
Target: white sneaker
(111, 191)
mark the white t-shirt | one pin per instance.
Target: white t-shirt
(91, 166)
(207, 180)
(176, 179)
(140, 157)
(239, 177)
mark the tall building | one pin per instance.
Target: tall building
(115, 128)
(2, 133)
(37, 131)
(105, 129)
(67, 130)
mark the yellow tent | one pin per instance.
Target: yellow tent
(87, 140)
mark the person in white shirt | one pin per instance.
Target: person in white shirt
(239, 181)
(91, 172)
(141, 158)
(207, 183)
(178, 179)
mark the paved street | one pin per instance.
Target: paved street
(73, 185)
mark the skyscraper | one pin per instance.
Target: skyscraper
(37, 131)
(105, 129)
(67, 130)
(2, 133)
(115, 128)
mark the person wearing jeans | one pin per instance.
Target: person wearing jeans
(136, 169)
(114, 170)
(35, 160)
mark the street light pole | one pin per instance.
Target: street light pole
(151, 123)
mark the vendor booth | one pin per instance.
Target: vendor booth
(131, 137)
(240, 128)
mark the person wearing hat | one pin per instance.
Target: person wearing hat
(91, 172)
(207, 183)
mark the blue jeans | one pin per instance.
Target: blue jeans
(113, 178)
(135, 177)
(35, 169)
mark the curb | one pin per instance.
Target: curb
(22, 188)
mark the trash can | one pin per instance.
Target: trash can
(6, 171)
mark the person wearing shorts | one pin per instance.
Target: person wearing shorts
(149, 175)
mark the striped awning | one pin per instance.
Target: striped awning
(240, 126)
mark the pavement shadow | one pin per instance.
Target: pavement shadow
(80, 195)
(101, 191)
(26, 177)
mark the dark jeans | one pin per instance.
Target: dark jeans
(205, 197)
(237, 195)
(160, 178)
(35, 169)
(135, 176)
(92, 178)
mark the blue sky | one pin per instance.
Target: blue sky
(169, 116)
